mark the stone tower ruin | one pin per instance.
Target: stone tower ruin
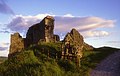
(40, 32)
(43, 31)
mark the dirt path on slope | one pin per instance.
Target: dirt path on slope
(108, 67)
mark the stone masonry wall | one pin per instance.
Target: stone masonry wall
(17, 43)
(43, 31)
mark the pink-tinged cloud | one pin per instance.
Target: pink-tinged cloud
(82, 23)
(21, 23)
(64, 23)
(4, 8)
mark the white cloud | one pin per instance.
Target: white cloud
(4, 46)
(95, 33)
(4, 53)
(68, 15)
(114, 42)
(82, 23)
(21, 23)
(63, 23)
(4, 49)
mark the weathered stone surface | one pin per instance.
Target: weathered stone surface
(73, 46)
(42, 31)
(17, 43)
(75, 39)
(56, 38)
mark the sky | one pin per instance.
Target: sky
(97, 20)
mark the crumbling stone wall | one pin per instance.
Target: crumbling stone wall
(17, 43)
(74, 38)
(56, 38)
(43, 31)
(73, 46)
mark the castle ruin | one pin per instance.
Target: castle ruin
(72, 45)
(40, 32)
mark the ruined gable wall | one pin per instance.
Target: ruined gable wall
(75, 39)
(17, 43)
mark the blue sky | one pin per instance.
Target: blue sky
(97, 20)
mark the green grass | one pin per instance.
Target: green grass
(2, 59)
(27, 64)
(33, 62)
(91, 58)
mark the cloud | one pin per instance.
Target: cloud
(4, 53)
(64, 23)
(82, 23)
(4, 32)
(114, 42)
(4, 44)
(21, 23)
(3, 48)
(68, 15)
(4, 8)
(95, 33)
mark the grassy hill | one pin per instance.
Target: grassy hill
(91, 58)
(33, 62)
(2, 59)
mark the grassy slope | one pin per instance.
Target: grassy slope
(27, 64)
(91, 58)
(2, 59)
(32, 62)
